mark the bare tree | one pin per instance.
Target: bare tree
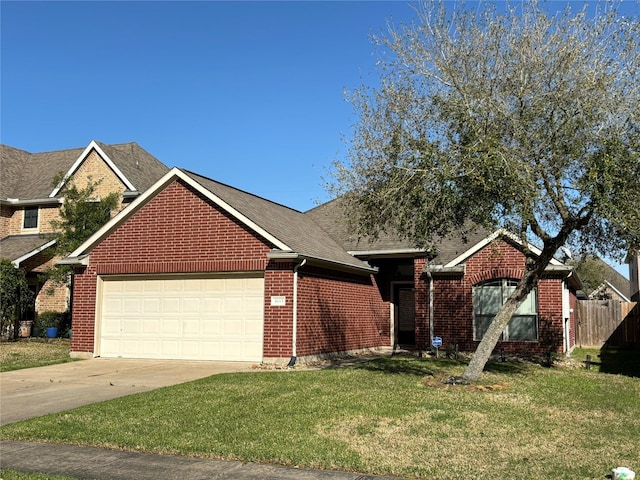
(519, 119)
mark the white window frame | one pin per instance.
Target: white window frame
(528, 310)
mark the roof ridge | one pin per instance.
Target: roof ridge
(191, 173)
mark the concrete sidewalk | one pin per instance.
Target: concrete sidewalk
(102, 464)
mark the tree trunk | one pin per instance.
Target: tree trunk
(473, 372)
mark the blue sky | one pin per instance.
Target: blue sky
(247, 93)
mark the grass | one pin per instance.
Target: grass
(390, 416)
(33, 353)
(15, 475)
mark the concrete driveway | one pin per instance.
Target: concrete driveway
(38, 391)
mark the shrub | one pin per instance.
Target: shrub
(47, 319)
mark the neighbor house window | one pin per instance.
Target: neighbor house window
(30, 217)
(488, 298)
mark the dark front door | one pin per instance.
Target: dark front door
(406, 316)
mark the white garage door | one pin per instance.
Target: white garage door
(182, 318)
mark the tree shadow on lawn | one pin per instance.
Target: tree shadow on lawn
(400, 365)
(620, 362)
(429, 366)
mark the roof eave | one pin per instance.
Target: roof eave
(388, 253)
(81, 260)
(444, 271)
(279, 255)
(17, 202)
(16, 262)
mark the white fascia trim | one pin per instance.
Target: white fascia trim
(26, 256)
(501, 232)
(81, 158)
(16, 202)
(139, 202)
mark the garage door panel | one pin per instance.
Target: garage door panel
(189, 318)
(171, 305)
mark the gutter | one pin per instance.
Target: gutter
(80, 260)
(294, 333)
(16, 202)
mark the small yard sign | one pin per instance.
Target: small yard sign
(436, 342)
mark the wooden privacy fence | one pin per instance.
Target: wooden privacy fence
(608, 323)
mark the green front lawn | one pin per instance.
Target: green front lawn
(28, 353)
(388, 416)
(14, 475)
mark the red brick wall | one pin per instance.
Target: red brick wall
(453, 302)
(421, 299)
(339, 312)
(278, 320)
(83, 310)
(178, 231)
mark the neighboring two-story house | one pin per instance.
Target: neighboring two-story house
(29, 202)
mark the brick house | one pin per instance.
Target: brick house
(634, 276)
(29, 202)
(195, 269)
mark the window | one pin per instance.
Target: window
(30, 217)
(489, 297)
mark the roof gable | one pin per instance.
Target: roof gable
(500, 233)
(92, 146)
(289, 230)
(29, 176)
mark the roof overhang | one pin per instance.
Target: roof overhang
(82, 260)
(442, 271)
(280, 256)
(388, 253)
(31, 202)
(16, 262)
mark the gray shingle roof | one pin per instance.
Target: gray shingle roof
(297, 230)
(15, 246)
(30, 175)
(332, 218)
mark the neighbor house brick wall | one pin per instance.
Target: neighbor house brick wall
(177, 231)
(6, 214)
(453, 305)
(340, 312)
(51, 296)
(95, 168)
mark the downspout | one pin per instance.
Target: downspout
(431, 332)
(294, 333)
